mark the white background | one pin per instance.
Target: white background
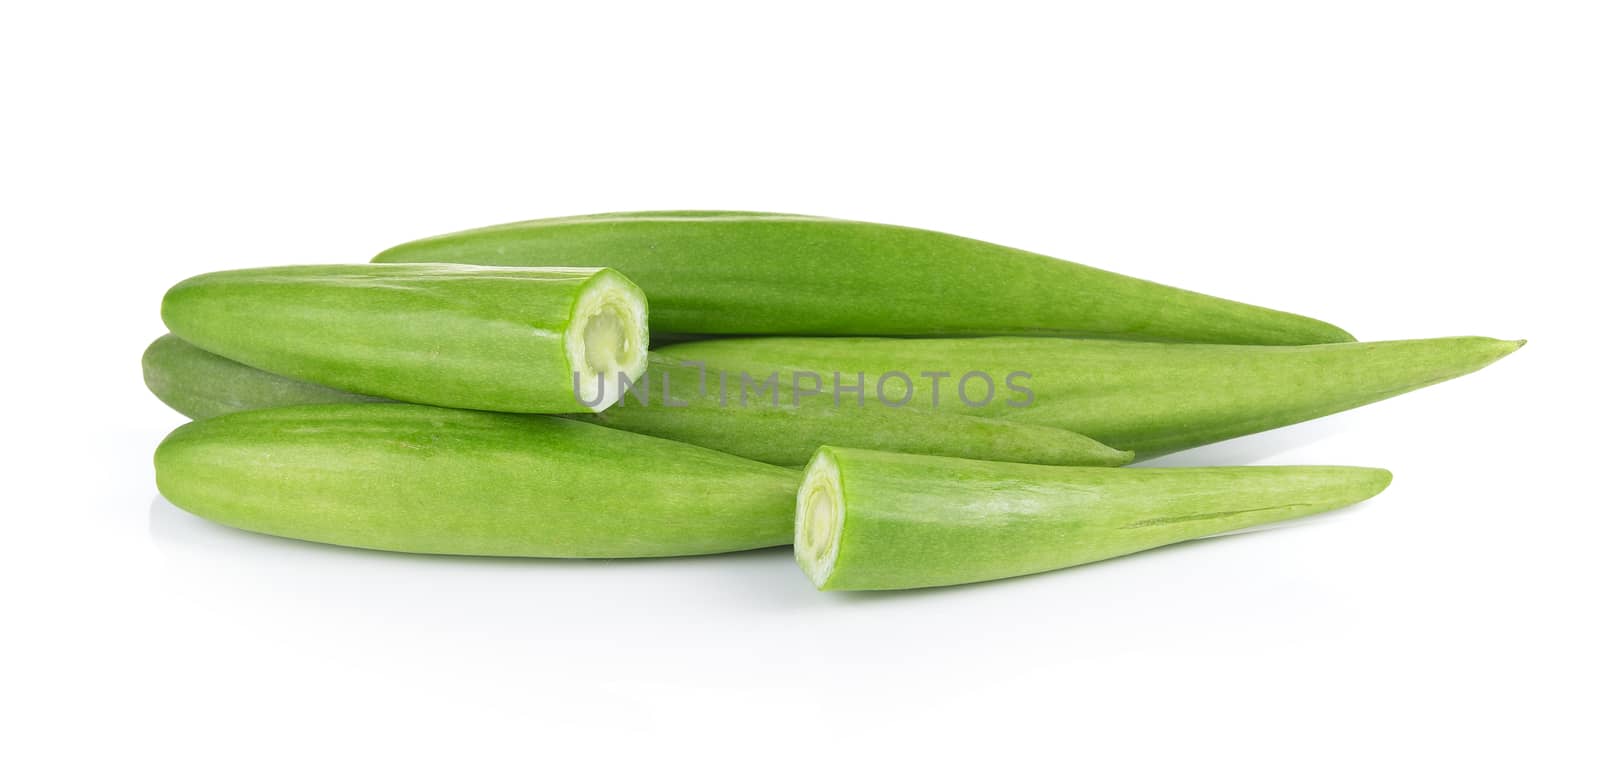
(1404, 169)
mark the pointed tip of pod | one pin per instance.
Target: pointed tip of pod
(1417, 363)
(1068, 448)
(1116, 457)
(1288, 329)
(1335, 334)
(1102, 455)
(1494, 349)
(1374, 480)
(393, 254)
(1342, 485)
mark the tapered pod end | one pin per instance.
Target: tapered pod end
(1101, 455)
(1358, 484)
(1309, 330)
(1337, 335)
(868, 520)
(1461, 355)
(1482, 349)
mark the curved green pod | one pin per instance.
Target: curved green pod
(718, 272)
(873, 520)
(414, 478)
(200, 385)
(1149, 398)
(517, 339)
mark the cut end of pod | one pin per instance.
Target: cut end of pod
(608, 339)
(819, 518)
(509, 339)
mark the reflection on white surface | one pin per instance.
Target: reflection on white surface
(659, 644)
(693, 600)
(200, 543)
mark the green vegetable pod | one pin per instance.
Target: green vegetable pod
(715, 272)
(201, 385)
(517, 339)
(786, 426)
(874, 520)
(1149, 398)
(414, 478)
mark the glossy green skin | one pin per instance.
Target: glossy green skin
(413, 478)
(200, 385)
(714, 272)
(922, 521)
(441, 334)
(1149, 398)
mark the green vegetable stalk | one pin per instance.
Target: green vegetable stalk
(873, 520)
(524, 340)
(1149, 398)
(714, 272)
(414, 478)
(201, 385)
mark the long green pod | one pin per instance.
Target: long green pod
(719, 272)
(518, 339)
(783, 424)
(1149, 398)
(873, 520)
(414, 478)
(768, 428)
(201, 385)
